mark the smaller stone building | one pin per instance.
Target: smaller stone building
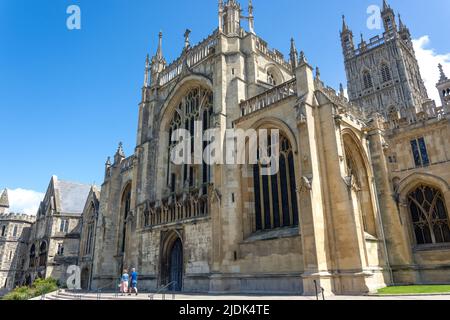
(55, 237)
(14, 234)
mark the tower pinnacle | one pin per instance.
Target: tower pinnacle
(251, 18)
(344, 24)
(4, 202)
(293, 55)
(441, 71)
(158, 63)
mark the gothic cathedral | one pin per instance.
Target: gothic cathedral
(361, 197)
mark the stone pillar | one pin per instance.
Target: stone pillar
(312, 219)
(398, 252)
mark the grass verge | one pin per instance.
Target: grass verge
(425, 289)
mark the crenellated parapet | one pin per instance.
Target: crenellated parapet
(17, 217)
(191, 57)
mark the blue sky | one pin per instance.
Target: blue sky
(68, 97)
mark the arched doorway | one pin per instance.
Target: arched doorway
(85, 279)
(28, 281)
(176, 266)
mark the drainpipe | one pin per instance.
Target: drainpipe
(377, 203)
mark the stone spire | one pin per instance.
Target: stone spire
(221, 9)
(443, 77)
(187, 42)
(158, 63)
(251, 18)
(302, 59)
(443, 86)
(388, 16)
(362, 44)
(293, 55)
(147, 71)
(344, 24)
(120, 155)
(159, 53)
(4, 202)
(107, 167)
(348, 46)
(400, 22)
(405, 34)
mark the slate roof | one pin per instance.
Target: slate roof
(72, 196)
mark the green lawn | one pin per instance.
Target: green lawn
(415, 289)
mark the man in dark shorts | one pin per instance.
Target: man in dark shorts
(133, 282)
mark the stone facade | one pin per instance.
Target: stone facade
(360, 199)
(349, 162)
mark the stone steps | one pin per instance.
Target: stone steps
(86, 296)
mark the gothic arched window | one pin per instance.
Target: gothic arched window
(195, 106)
(429, 216)
(32, 256)
(126, 210)
(42, 254)
(3, 231)
(276, 195)
(90, 224)
(385, 73)
(367, 79)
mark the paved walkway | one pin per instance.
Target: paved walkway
(64, 295)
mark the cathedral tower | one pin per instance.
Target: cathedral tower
(347, 43)
(443, 87)
(383, 74)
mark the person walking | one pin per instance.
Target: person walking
(124, 282)
(133, 282)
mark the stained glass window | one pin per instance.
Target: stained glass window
(276, 196)
(420, 153)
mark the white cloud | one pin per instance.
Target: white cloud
(428, 61)
(24, 201)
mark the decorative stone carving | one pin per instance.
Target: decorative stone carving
(305, 185)
(214, 194)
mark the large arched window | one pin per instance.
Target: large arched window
(89, 229)
(195, 106)
(385, 73)
(126, 209)
(275, 196)
(429, 216)
(32, 256)
(367, 79)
